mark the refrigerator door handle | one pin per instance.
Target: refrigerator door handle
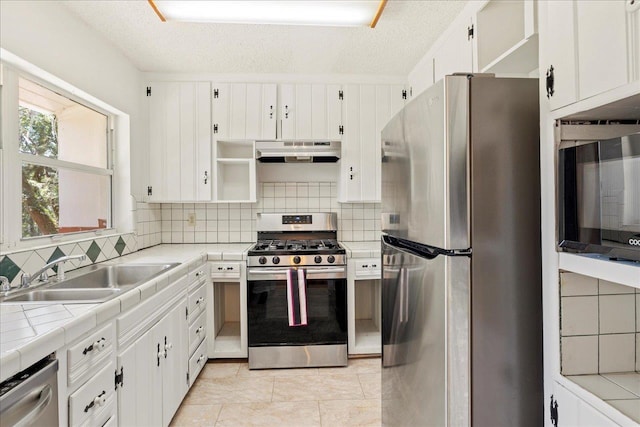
(422, 250)
(404, 295)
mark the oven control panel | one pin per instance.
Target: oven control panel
(297, 219)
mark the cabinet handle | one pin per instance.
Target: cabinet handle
(199, 330)
(167, 346)
(161, 354)
(97, 346)
(271, 111)
(206, 177)
(199, 300)
(200, 359)
(199, 273)
(286, 111)
(550, 82)
(99, 400)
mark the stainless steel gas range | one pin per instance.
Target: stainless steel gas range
(297, 293)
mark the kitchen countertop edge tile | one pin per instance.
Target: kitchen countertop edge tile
(40, 346)
(364, 249)
(27, 353)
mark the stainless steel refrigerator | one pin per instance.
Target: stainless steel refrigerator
(461, 291)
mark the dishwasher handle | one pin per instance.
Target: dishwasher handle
(33, 399)
(43, 397)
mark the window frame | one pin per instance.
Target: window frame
(11, 160)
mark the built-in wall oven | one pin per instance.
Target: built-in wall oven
(297, 293)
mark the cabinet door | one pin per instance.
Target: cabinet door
(310, 111)
(140, 394)
(602, 46)
(350, 188)
(455, 55)
(367, 109)
(244, 111)
(633, 38)
(172, 333)
(180, 141)
(560, 48)
(573, 411)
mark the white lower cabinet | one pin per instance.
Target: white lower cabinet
(154, 372)
(92, 404)
(363, 306)
(571, 411)
(226, 311)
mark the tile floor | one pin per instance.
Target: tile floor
(229, 394)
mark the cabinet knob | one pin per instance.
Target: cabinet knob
(97, 346)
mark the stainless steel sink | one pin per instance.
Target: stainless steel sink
(93, 284)
(62, 296)
(114, 276)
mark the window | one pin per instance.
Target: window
(64, 151)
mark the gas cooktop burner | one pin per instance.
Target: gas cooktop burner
(297, 240)
(295, 245)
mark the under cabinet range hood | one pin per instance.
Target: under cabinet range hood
(298, 151)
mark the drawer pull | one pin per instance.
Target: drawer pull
(97, 346)
(99, 400)
(199, 330)
(200, 359)
(200, 273)
(199, 301)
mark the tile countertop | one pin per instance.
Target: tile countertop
(28, 332)
(370, 249)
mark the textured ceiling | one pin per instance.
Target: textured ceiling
(405, 32)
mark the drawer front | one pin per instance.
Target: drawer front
(197, 332)
(88, 353)
(197, 362)
(199, 273)
(225, 270)
(368, 267)
(92, 404)
(197, 302)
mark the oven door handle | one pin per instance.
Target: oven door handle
(255, 274)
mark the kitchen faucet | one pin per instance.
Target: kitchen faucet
(4, 284)
(26, 279)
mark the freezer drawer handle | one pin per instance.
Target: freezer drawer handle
(425, 251)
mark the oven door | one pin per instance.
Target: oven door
(326, 307)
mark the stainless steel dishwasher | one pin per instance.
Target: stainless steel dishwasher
(30, 398)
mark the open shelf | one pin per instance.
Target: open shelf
(235, 180)
(227, 330)
(235, 150)
(507, 41)
(364, 307)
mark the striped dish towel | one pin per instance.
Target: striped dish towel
(297, 297)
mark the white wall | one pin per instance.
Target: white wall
(48, 36)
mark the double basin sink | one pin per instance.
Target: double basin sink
(93, 284)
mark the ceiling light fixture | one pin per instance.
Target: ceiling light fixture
(288, 12)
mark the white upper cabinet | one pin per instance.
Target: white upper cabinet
(590, 48)
(506, 37)
(455, 54)
(560, 45)
(244, 111)
(602, 46)
(180, 141)
(367, 109)
(310, 111)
